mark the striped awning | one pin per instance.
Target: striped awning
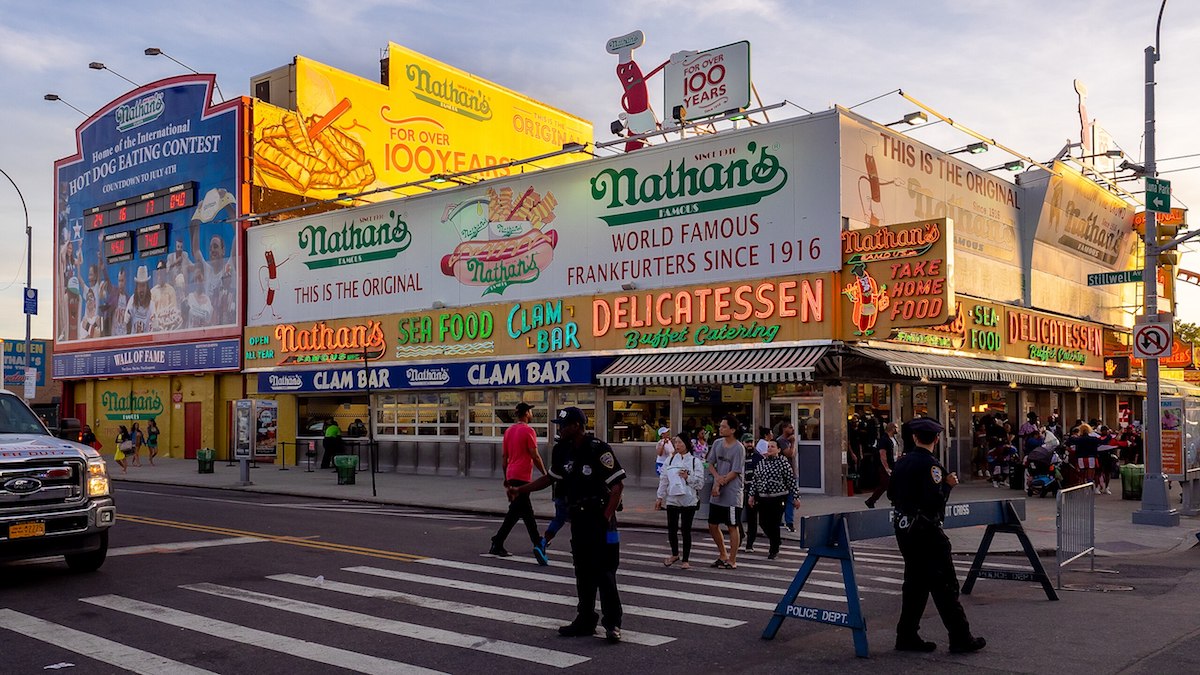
(742, 366)
(944, 367)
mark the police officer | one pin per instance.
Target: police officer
(919, 488)
(592, 483)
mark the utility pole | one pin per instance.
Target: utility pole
(28, 361)
(1155, 509)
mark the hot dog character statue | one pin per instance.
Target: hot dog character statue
(869, 300)
(635, 101)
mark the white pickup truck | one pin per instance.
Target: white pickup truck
(55, 495)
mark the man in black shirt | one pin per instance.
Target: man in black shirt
(919, 488)
(592, 484)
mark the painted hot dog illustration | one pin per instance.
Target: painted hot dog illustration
(526, 255)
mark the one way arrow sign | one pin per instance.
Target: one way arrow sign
(1158, 195)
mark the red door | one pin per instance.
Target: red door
(191, 429)
(81, 414)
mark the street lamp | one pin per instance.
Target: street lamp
(96, 65)
(28, 272)
(56, 97)
(1155, 510)
(155, 51)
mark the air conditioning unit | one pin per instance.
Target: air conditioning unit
(277, 87)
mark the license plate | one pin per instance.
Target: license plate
(26, 530)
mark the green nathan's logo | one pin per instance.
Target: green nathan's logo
(354, 243)
(140, 112)
(689, 189)
(134, 406)
(447, 94)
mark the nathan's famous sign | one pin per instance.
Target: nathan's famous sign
(995, 330)
(708, 211)
(897, 276)
(349, 135)
(762, 311)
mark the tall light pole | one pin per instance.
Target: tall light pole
(1155, 509)
(28, 272)
(155, 51)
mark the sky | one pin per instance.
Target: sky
(1005, 68)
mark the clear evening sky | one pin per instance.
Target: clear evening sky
(1002, 67)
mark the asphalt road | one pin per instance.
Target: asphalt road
(211, 581)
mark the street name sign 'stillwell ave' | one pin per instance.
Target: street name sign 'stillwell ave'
(1106, 278)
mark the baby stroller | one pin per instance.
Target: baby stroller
(1043, 478)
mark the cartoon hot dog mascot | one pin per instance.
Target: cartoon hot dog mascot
(869, 300)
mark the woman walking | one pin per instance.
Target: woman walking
(135, 435)
(774, 482)
(152, 439)
(123, 444)
(679, 489)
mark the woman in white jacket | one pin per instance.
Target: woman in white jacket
(679, 490)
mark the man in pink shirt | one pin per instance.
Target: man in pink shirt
(520, 456)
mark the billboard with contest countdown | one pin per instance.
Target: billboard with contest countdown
(146, 241)
(745, 204)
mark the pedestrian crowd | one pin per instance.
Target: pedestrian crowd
(1090, 451)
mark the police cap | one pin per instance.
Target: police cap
(924, 426)
(569, 415)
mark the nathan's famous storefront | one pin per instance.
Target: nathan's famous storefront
(148, 265)
(713, 274)
(441, 386)
(715, 258)
(990, 360)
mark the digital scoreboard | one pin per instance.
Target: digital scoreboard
(145, 206)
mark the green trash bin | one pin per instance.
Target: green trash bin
(204, 457)
(346, 466)
(1132, 477)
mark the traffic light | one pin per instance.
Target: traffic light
(1116, 367)
(1165, 234)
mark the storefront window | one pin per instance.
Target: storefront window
(782, 389)
(418, 414)
(870, 409)
(704, 405)
(314, 412)
(490, 413)
(915, 399)
(637, 420)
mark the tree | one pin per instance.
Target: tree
(1187, 332)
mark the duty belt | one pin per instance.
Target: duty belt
(907, 522)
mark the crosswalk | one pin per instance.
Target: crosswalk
(506, 609)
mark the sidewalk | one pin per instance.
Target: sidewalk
(1115, 532)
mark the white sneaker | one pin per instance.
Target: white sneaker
(1108, 491)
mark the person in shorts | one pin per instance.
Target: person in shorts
(726, 463)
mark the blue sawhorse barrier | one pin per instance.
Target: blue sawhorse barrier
(830, 536)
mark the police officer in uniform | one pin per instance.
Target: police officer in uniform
(919, 488)
(591, 479)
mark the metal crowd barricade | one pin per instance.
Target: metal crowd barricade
(830, 535)
(1076, 516)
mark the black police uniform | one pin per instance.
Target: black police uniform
(586, 473)
(918, 492)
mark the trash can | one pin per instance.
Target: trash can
(346, 466)
(1132, 477)
(204, 457)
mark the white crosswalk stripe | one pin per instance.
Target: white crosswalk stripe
(546, 657)
(332, 656)
(727, 582)
(480, 611)
(570, 600)
(94, 647)
(712, 599)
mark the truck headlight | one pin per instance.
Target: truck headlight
(97, 478)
